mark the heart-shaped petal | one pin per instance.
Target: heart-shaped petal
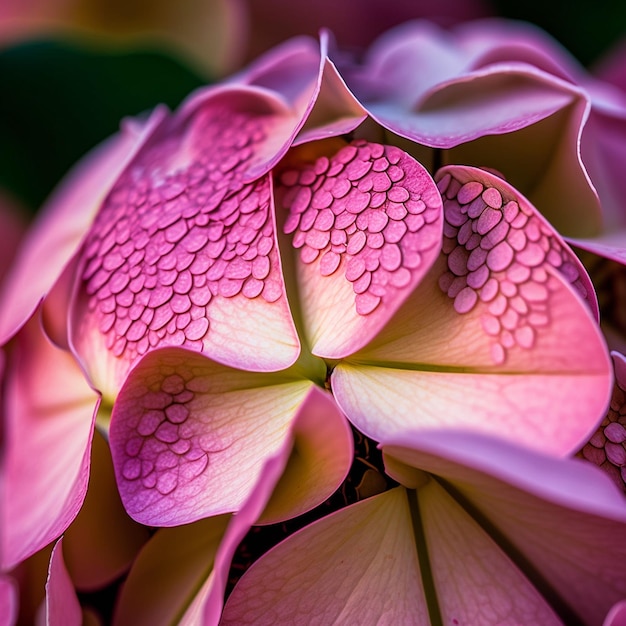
(189, 436)
(486, 340)
(366, 224)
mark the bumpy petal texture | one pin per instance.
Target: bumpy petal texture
(181, 574)
(561, 522)
(365, 223)
(486, 340)
(102, 541)
(607, 446)
(49, 417)
(56, 235)
(62, 607)
(189, 437)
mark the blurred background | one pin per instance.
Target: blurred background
(71, 69)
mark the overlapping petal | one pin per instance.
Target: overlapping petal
(189, 437)
(62, 607)
(450, 551)
(49, 419)
(366, 221)
(485, 341)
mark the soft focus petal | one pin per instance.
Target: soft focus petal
(102, 541)
(486, 340)
(366, 222)
(319, 461)
(181, 573)
(189, 436)
(617, 615)
(561, 521)
(58, 231)
(8, 601)
(358, 565)
(50, 412)
(62, 607)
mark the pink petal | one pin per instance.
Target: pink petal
(181, 573)
(562, 517)
(358, 565)
(319, 461)
(189, 436)
(62, 606)
(57, 233)
(367, 223)
(50, 412)
(485, 341)
(8, 601)
(184, 251)
(102, 541)
(475, 580)
(617, 615)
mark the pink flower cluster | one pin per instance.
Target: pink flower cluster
(223, 306)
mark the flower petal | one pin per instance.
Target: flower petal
(617, 615)
(102, 541)
(360, 560)
(366, 226)
(561, 521)
(50, 412)
(189, 436)
(58, 231)
(319, 462)
(474, 580)
(485, 341)
(181, 573)
(8, 601)
(62, 606)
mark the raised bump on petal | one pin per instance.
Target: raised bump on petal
(189, 436)
(509, 250)
(183, 252)
(366, 227)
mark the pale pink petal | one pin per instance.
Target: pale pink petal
(102, 541)
(562, 521)
(56, 235)
(8, 601)
(486, 340)
(189, 436)
(181, 573)
(358, 565)
(365, 226)
(319, 461)
(168, 572)
(475, 581)
(617, 615)
(62, 607)
(49, 417)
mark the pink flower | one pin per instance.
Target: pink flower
(504, 95)
(479, 532)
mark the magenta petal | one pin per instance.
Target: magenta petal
(366, 227)
(617, 615)
(57, 233)
(62, 606)
(50, 412)
(8, 601)
(189, 436)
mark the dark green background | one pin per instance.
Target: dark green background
(57, 101)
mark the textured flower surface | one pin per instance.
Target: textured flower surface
(479, 533)
(221, 300)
